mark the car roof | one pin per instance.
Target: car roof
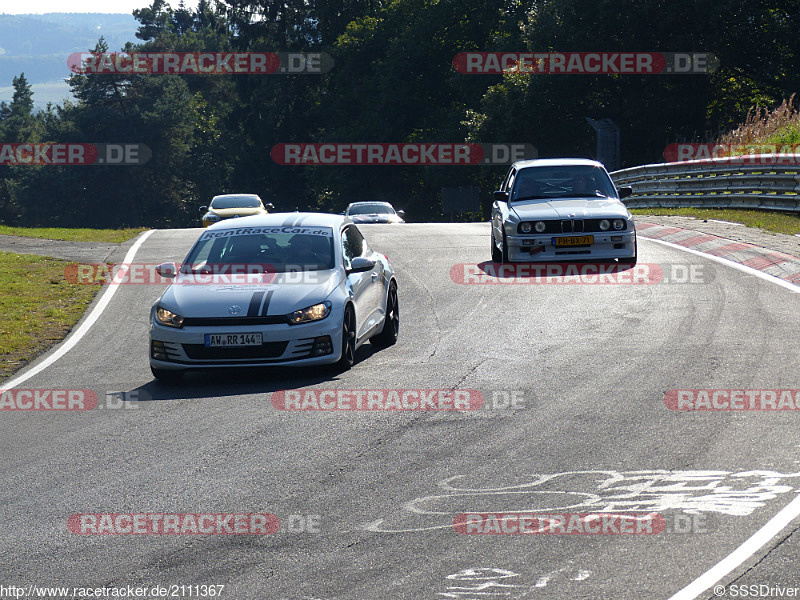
(285, 219)
(236, 196)
(369, 202)
(557, 162)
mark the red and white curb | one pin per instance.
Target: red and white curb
(777, 264)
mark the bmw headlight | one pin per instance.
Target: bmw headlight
(212, 218)
(525, 228)
(168, 318)
(312, 313)
(540, 226)
(605, 224)
(619, 224)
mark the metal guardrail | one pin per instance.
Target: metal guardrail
(766, 182)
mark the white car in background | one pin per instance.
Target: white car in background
(561, 209)
(284, 289)
(373, 211)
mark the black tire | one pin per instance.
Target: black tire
(348, 357)
(497, 255)
(632, 259)
(167, 375)
(391, 324)
(505, 248)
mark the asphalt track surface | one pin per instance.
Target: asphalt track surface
(589, 364)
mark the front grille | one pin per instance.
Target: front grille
(303, 348)
(573, 226)
(203, 352)
(234, 321)
(166, 351)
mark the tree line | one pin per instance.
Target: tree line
(392, 81)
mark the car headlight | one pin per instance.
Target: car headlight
(540, 226)
(312, 313)
(619, 224)
(168, 318)
(604, 225)
(525, 228)
(212, 218)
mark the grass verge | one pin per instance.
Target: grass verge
(112, 236)
(39, 307)
(776, 222)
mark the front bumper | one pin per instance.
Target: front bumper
(540, 247)
(282, 345)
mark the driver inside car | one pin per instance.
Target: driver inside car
(310, 251)
(244, 249)
(583, 186)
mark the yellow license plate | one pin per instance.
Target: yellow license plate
(581, 240)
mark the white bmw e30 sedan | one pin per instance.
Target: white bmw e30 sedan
(561, 209)
(283, 289)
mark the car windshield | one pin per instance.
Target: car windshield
(562, 182)
(276, 249)
(236, 202)
(371, 208)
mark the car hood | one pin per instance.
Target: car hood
(569, 208)
(227, 213)
(375, 218)
(215, 295)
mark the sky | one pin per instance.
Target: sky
(18, 7)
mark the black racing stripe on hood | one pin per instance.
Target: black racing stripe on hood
(267, 300)
(255, 304)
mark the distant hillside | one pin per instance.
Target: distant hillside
(39, 45)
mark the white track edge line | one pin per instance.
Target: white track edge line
(785, 516)
(73, 339)
(738, 266)
(754, 543)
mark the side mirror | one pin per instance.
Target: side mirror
(625, 191)
(203, 209)
(401, 213)
(360, 265)
(269, 205)
(167, 270)
(500, 196)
